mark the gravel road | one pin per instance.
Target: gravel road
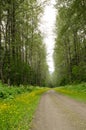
(58, 112)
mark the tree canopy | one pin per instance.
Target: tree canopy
(22, 52)
(70, 46)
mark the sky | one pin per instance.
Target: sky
(47, 28)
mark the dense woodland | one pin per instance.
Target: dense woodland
(70, 46)
(22, 53)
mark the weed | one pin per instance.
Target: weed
(77, 92)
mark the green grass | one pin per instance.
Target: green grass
(7, 92)
(77, 92)
(17, 113)
(17, 106)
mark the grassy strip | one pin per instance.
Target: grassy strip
(77, 92)
(7, 92)
(16, 114)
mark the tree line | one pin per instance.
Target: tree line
(22, 52)
(70, 45)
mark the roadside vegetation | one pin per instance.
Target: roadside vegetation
(17, 106)
(77, 92)
(9, 92)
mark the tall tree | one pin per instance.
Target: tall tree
(70, 44)
(21, 46)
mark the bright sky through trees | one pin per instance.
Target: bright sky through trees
(48, 30)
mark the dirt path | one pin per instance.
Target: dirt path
(57, 112)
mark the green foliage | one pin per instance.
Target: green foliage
(70, 46)
(9, 92)
(22, 52)
(77, 92)
(17, 113)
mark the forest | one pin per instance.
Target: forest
(70, 46)
(23, 53)
(31, 96)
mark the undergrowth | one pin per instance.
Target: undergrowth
(77, 92)
(9, 92)
(17, 113)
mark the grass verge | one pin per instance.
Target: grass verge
(17, 113)
(77, 92)
(9, 92)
